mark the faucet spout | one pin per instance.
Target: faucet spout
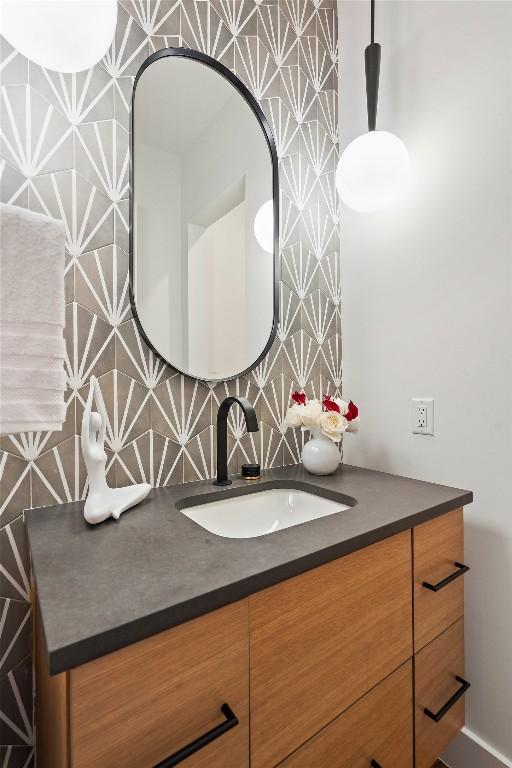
(251, 422)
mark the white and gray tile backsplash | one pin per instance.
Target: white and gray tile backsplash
(64, 150)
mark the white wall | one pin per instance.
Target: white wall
(216, 297)
(157, 232)
(427, 304)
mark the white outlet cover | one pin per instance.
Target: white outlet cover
(423, 416)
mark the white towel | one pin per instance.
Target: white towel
(32, 312)
(32, 268)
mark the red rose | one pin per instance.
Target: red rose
(299, 398)
(353, 412)
(329, 404)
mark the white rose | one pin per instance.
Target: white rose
(293, 417)
(342, 405)
(333, 425)
(310, 413)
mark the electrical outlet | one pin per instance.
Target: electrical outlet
(423, 416)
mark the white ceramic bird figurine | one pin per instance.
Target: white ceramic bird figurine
(102, 502)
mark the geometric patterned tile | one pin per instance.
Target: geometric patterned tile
(101, 283)
(101, 156)
(289, 312)
(299, 269)
(278, 35)
(15, 633)
(80, 96)
(276, 398)
(240, 17)
(129, 47)
(199, 456)
(301, 15)
(319, 316)
(58, 476)
(202, 29)
(16, 726)
(135, 359)
(150, 458)
(300, 355)
(14, 485)
(17, 757)
(88, 215)
(14, 562)
(90, 347)
(34, 137)
(13, 66)
(332, 355)
(256, 68)
(155, 17)
(180, 408)
(13, 185)
(330, 277)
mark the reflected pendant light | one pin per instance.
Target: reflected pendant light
(374, 170)
(61, 35)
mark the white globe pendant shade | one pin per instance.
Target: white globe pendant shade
(62, 35)
(373, 171)
(264, 226)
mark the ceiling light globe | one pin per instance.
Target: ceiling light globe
(373, 172)
(61, 35)
(264, 226)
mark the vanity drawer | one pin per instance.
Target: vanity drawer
(439, 688)
(438, 548)
(139, 705)
(321, 640)
(378, 727)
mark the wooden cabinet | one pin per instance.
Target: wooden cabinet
(321, 640)
(378, 727)
(142, 704)
(439, 569)
(439, 687)
(316, 671)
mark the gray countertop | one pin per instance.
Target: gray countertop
(103, 587)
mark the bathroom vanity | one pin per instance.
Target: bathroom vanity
(337, 642)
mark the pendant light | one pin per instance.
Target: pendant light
(374, 170)
(61, 35)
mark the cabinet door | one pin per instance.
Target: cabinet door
(140, 705)
(377, 728)
(439, 686)
(438, 548)
(321, 640)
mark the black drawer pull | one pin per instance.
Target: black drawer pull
(375, 764)
(461, 568)
(194, 746)
(437, 716)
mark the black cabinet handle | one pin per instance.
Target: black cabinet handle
(461, 568)
(375, 764)
(194, 746)
(437, 716)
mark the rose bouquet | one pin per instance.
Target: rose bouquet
(330, 417)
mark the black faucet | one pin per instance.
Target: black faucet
(251, 422)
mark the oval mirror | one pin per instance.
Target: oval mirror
(204, 217)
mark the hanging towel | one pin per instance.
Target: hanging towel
(32, 312)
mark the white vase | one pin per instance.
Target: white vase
(320, 455)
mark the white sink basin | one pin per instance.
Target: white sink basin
(261, 512)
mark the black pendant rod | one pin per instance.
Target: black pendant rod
(372, 71)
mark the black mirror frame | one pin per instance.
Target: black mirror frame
(189, 53)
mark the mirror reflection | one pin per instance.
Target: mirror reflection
(202, 220)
